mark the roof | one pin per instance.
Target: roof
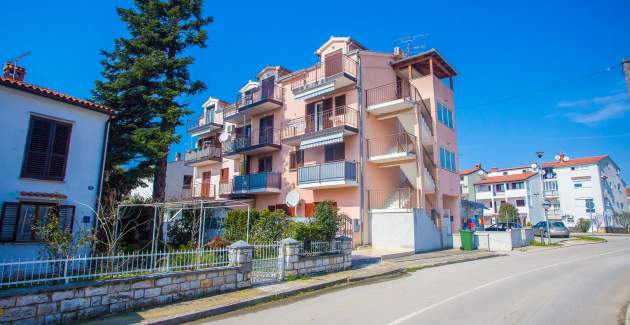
(506, 178)
(278, 68)
(346, 39)
(52, 94)
(469, 171)
(426, 54)
(628, 191)
(577, 161)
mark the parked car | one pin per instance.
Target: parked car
(503, 226)
(556, 229)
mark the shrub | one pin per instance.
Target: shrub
(583, 225)
(218, 242)
(299, 231)
(235, 224)
(269, 227)
(325, 223)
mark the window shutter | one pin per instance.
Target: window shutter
(66, 217)
(292, 160)
(309, 210)
(8, 222)
(37, 148)
(59, 152)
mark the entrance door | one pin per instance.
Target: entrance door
(267, 87)
(266, 130)
(318, 116)
(205, 184)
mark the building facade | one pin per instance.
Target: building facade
(54, 147)
(373, 132)
(518, 186)
(572, 185)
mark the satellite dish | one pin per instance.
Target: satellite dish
(556, 157)
(293, 198)
(224, 137)
(534, 166)
(566, 158)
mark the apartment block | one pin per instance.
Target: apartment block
(519, 186)
(573, 184)
(373, 132)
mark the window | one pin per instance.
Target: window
(187, 181)
(483, 188)
(517, 186)
(447, 160)
(16, 223)
(499, 187)
(582, 182)
(264, 164)
(296, 159)
(520, 203)
(334, 152)
(46, 151)
(225, 175)
(445, 115)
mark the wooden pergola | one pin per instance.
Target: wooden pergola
(426, 63)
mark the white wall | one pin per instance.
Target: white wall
(175, 171)
(409, 230)
(84, 162)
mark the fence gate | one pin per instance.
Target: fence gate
(265, 263)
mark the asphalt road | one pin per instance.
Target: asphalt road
(586, 284)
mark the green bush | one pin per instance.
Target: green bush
(235, 224)
(583, 225)
(299, 231)
(325, 223)
(269, 227)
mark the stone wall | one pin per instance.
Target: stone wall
(292, 264)
(70, 302)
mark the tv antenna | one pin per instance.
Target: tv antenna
(15, 61)
(411, 44)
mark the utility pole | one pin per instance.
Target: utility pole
(626, 71)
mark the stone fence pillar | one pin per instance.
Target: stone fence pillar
(289, 251)
(346, 251)
(241, 254)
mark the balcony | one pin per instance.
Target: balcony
(429, 174)
(267, 182)
(202, 125)
(195, 191)
(231, 114)
(258, 142)
(226, 188)
(325, 77)
(262, 100)
(396, 200)
(341, 119)
(203, 156)
(390, 98)
(328, 175)
(393, 149)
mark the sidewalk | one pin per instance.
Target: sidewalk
(215, 305)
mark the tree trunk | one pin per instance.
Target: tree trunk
(159, 179)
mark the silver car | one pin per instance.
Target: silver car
(556, 229)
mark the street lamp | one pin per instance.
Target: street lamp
(538, 168)
(546, 206)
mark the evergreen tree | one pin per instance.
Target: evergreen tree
(146, 79)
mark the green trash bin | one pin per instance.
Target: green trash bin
(468, 239)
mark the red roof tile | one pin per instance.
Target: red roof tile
(468, 171)
(506, 178)
(37, 90)
(628, 191)
(575, 162)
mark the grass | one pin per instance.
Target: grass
(591, 238)
(297, 277)
(413, 269)
(537, 243)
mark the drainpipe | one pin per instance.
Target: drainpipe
(99, 189)
(361, 150)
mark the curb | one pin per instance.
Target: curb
(628, 315)
(230, 307)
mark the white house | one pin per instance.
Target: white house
(519, 186)
(178, 182)
(53, 147)
(571, 184)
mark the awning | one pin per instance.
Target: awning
(336, 137)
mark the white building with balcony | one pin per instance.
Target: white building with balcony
(570, 184)
(519, 186)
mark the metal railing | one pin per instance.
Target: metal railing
(266, 257)
(318, 248)
(429, 164)
(64, 270)
(257, 137)
(398, 198)
(328, 172)
(203, 153)
(396, 90)
(261, 94)
(323, 72)
(392, 144)
(258, 181)
(226, 188)
(200, 122)
(230, 111)
(313, 123)
(203, 189)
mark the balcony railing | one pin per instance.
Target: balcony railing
(393, 91)
(323, 72)
(257, 138)
(230, 111)
(203, 153)
(226, 188)
(256, 182)
(328, 172)
(313, 123)
(398, 198)
(392, 144)
(274, 93)
(196, 190)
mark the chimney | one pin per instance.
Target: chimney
(478, 166)
(494, 169)
(561, 156)
(397, 53)
(178, 156)
(13, 71)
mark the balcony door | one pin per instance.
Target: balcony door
(266, 130)
(267, 87)
(333, 63)
(205, 184)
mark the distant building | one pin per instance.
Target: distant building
(179, 178)
(471, 209)
(54, 146)
(571, 184)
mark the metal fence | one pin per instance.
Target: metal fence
(36, 272)
(317, 248)
(265, 263)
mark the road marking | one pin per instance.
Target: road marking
(491, 283)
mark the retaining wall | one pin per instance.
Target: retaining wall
(291, 263)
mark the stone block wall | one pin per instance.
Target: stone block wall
(70, 302)
(291, 263)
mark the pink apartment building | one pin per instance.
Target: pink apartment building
(373, 132)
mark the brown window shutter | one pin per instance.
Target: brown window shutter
(37, 148)
(66, 217)
(8, 222)
(225, 175)
(340, 100)
(292, 211)
(309, 210)
(59, 152)
(292, 160)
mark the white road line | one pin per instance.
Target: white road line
(491, 283)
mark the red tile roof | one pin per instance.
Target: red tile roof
(45, 92)
(575, 162)
(469, 171)
(628, 191)
(44, 195)
(506, 178)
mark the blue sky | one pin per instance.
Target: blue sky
(515, 60)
